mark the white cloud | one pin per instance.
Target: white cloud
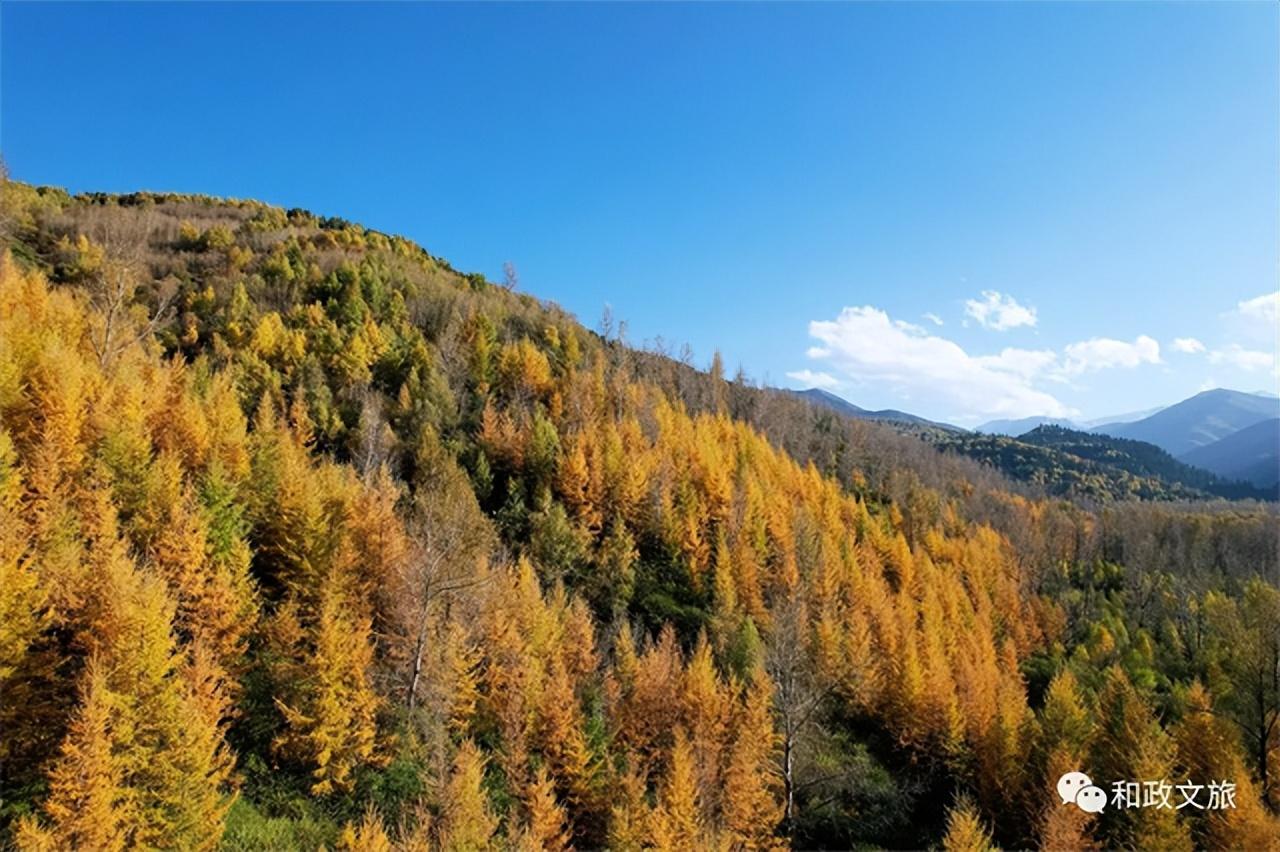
(999, 312)
(1264, 309)
(1245, 359)
(1102, 353)
(1255, 321)
(933, 318)
(1188, 345)
(1027, 363)
(868, 346)
(809, 378)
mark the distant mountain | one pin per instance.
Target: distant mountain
(843, 406)
(1144, 460)
(1119, 418)
(1014, 428)
(1252, 455)
(1196, 422)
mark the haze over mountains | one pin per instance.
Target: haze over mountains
(1023, 425)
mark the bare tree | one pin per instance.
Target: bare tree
(374, 438)
(450, 541)
(800, 694)
(510, 278)
(114, 283)
(606, 322)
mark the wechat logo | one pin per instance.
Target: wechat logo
(1078, 788)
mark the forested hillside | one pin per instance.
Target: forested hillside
(1070, 463)
(307, 539)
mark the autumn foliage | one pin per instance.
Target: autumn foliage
(354, 551)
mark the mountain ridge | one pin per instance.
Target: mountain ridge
(1199, 420)
(891, 415)
(1251, 454)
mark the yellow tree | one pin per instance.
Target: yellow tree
(1131, 745)
(329, 703)
(564, 744)
(467, 823)
(89, 805)
(214, 596)
(752, 783)
(1209, 752)
(676, 823)
(368, 835)
(1062, 739)
(21, 595)
(175, 763)
(706, 711)
(544, 827)
(965, 830)
(165, 745)
(650, 703)
(629, 815)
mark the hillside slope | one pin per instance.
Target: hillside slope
(1142, 459)
(308, 540)
(1106, 478)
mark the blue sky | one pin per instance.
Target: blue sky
(967, 210)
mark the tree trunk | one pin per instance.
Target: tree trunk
(418, 648)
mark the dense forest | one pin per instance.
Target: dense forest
(1100, 467)
(1092, 467)
(309, 540)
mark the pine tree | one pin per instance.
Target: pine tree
(651, 709)
(752, 805)
(1063, 826)
(706, 712)
(466, 822)
(214, 596)
(21, 595)
(1131, 746)
(368, 835)
(175, 763)
(1208, 750)
(89, 805)
(1062, 741)
(965, 830)
(629, 815)
(676, 822)
(329, 704)
(544, 826)
(564, 744)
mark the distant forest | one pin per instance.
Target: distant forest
(1094, 467)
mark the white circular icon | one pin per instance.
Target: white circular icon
(1091, 799)
(1071, 784)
